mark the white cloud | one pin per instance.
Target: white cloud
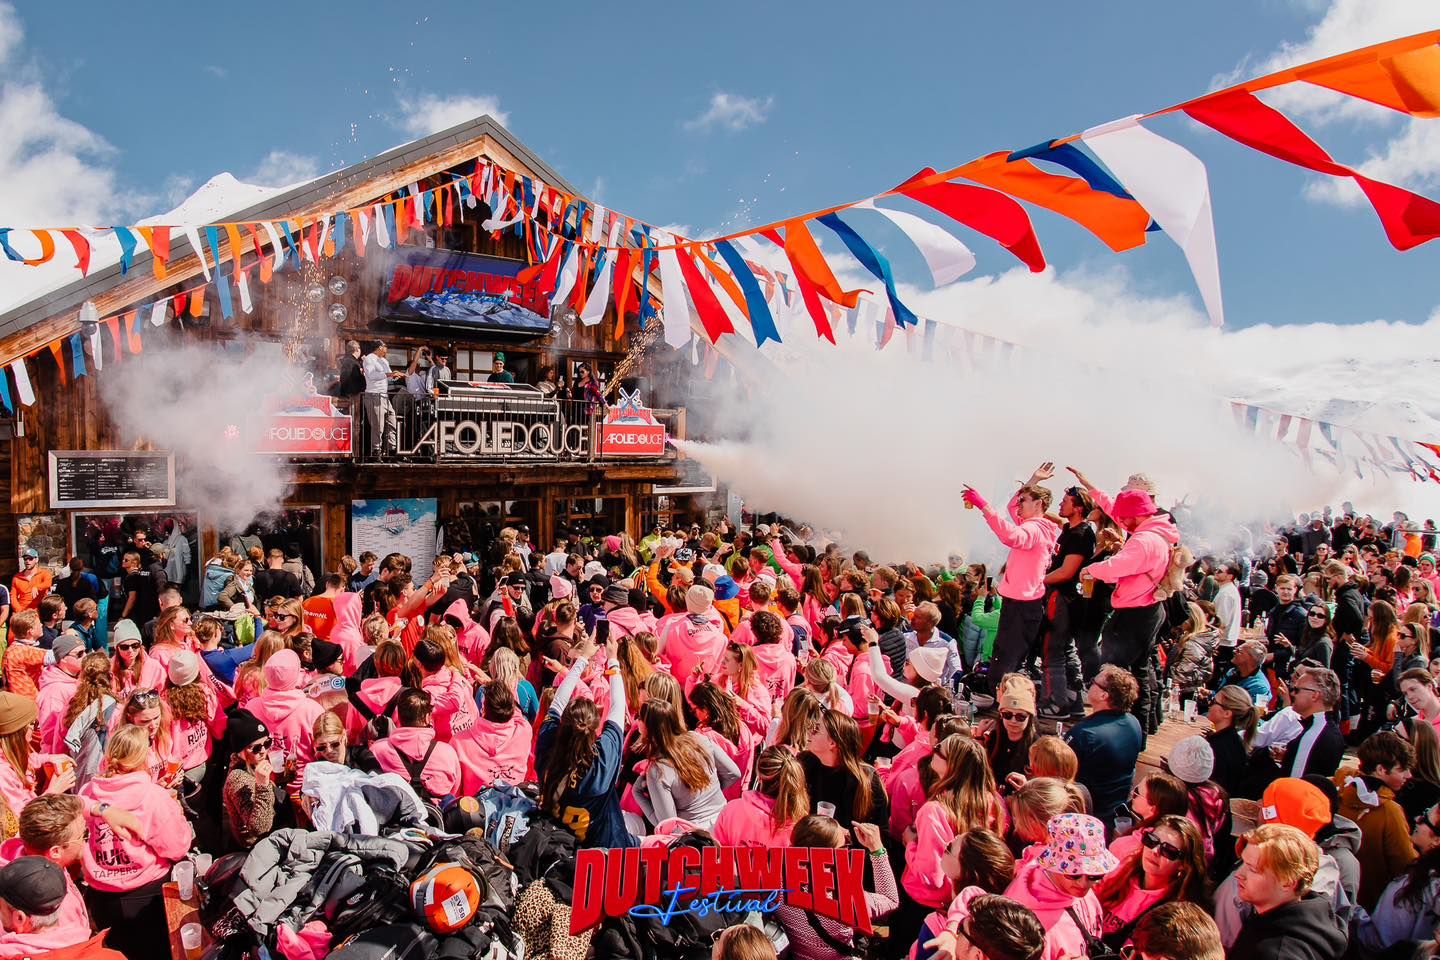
(430, 113)
(732, 112)
(218, 72)
(52, 169)
(281, 168)
(1410, 160)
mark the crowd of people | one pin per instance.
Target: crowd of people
(978, 736)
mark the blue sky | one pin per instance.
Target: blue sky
(721, 115)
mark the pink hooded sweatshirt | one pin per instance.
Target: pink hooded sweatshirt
(626, 622)
(751, 823)
(113, 863)
(191, 742)
(71, 927)
(453, 701)
(288, 713)
(56, 690)
(1031, 544)
(906, 798)
(690, 642)
(753, 707)
(376, 692)
(441, 775)
(152, 677)
(917, 747)
(346, 631)
(923, 878)
(777, 669)
(494, 751)
(745, 633)
(472, 639)
(1062, 938)
(1140, 565)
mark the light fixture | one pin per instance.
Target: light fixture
(338, 313)
(88, 313)
(315, 293)
(338, 286)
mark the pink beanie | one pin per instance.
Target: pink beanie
(560, 588)
(1133, 504)
(612, 543)
(282, 671)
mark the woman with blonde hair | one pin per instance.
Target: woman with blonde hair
(504, 666)
(740, 679)
(1234, 718)
(126, 871)
(1033, 806)
(637, 654)
(835, 772)
(250, 675)
(821, 681)
(330, 743)
(764, 816)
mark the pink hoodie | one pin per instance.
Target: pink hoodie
(923, 878)
(72, 926)
(441, 775)
(742, 753)
(1031, 543)
(472, 639)
(751, 823)
(346, 630)
(453, 701)
(626, 622)
(16, 789)
(917, 748)
(113, 863)
(375, 692)
(56, 690)
(777, 669)
(289, 714)
(1140, 565)
(906, 798)
(493, 751)
(753, 707)
(745, 633)
(690, 642)
(1062, 938)
(191, 742)
(152, 677)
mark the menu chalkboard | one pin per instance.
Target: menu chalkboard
(111, 478)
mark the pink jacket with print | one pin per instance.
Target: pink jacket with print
(494, 751)
(57, 688)
(1140, 565)
(1031, 544)
(441, 774)
(113, 863)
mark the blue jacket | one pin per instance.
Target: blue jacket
(1255, 684)
(1108, 745)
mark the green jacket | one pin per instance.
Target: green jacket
(988, 624)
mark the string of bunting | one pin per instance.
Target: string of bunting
(1119, 181)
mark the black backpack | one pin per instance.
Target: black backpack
(688, 936)
(546, 852)
(378, 726)
(395, 941)
(416, 771)
(495, 875)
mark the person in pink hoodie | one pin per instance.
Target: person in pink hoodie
(58, 681)
(53, 827)
(126, 874)
(694, 641)
(133, 667)
(286, 711)
(345, 630)
(717, 720)
(773, 659)
(451, 695)
(415, 746)
(196, 719)
(1031, 537)
(764, 817)
(497, 748)
(740, 677)
(1059, 884)
(1138, 570)
(375, 696)
(471, 638)
(625, 620)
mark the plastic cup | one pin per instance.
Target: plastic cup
(882, 763)
(277, 762)
(203, 862)
(183, 874)
(1123, 825)
(825, 809)
(191, 937)
(1189, 711)
(1087, 586)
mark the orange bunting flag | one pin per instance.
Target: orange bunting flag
(359, 226)
(113, 324)
(266, 268)
(1119, 223)
(237, 247)
(47, 248)
(805, 256)
(197, 303)
(1408, 82)
(82, 250)
(59, 360)
(624, 278)
(132, 333)
(402, 221)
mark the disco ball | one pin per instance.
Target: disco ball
(314, 293)
(338, 286)
(338, 313)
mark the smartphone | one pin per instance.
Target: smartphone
(602, 632)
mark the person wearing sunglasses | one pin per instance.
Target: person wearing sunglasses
(1175, 931)
(987, 926)
(1405, 911)
(1317, 641)
(1059, 884)
(1169, 866)
(249, 793)
(1031, 537)
(1291, 922)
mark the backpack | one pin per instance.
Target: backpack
(395, 941)
(495, 875)
(416, 771)
(546, 852)
(378, 726)
(1172, 580)
(507, 811)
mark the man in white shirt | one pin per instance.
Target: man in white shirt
(379, 414)
(1227, 603)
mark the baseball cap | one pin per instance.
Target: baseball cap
(33, 885)
(66, 644)
(29, 552)
(514, 579)
(1294, 802)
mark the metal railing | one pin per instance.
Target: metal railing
(483, 423)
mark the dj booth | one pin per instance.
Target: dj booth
(495, 421)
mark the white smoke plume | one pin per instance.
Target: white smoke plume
(878, 444)
(205, 403)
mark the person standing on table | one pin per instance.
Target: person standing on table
(379, 414)
(1031, 538)
(1063, 601)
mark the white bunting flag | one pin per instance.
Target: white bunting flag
(157, 313)
(276, 247)
(193, 235)
(23, 390)
(672, 291)
(242, 281)
(382, 229)
(1171, 184)
(946, 256)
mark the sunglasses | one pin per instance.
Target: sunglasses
(260, 745)
(1423, 819)
(127, 646)
(145, 698)
(1167, 850)
(1317, 615)
(1013, 716)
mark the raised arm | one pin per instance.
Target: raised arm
(894, 688)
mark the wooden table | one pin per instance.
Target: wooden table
(178, 913)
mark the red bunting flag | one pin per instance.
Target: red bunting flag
(987, 211)
(113, 323)
(624, 280)
(82, 250)
(712, 315)
(1409, 219)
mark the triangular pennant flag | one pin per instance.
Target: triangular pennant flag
(5, 392)
(988, 211)
(947, 258)
(157, 313)
(599, 298)
(77, 355)
(127, 248)
(625, 266)
(672, 292)
(97, 352)
(24, 392)
(55, 351)
(193, 235)
(762, 322)
(132, 333)
(712, 315)
(113, 325)
(872, 260)
(81, 247)
(242, 284)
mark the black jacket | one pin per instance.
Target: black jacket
(1289, 619)
(1350, 613)
(1231, 759)
(276, 583)
(1303, 930)
(892, 645)
(1325, 755)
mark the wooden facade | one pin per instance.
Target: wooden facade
(72, 416)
